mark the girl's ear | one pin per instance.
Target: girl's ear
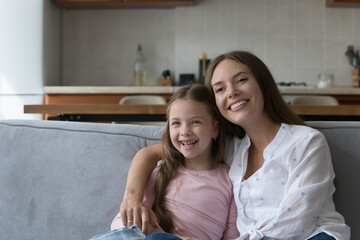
(216, 129)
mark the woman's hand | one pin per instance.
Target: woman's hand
(135, 212)
(132, 209)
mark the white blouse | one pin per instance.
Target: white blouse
(290, 196)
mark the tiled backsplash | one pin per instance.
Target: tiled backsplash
(297, 39)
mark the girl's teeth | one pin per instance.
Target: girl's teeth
(188, 143)
(237, 104)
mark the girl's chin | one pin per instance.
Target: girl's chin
(188, 156)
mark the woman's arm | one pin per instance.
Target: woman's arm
(132, 209)
(307, 200)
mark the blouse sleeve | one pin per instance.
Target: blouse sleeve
(309, 190)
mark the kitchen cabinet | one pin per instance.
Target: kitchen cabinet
(101, 4)
(343, 3)
(90, 99)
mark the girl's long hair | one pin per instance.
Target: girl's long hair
(274, 105)
(173, 159)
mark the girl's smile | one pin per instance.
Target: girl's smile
(192, 130)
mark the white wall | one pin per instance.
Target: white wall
(29, 57)
(297, 39)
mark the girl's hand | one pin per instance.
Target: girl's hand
(135, 212)
(152, 229)
(185, 238)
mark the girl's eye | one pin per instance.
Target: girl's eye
(175, 123)
(196, 122)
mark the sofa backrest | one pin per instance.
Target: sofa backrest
(65, 180)
(344, 142)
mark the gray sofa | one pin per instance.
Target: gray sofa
(65, 180)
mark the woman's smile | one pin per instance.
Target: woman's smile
(237, 93)
(237, 105)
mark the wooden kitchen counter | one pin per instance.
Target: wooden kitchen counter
(95, 109)
(346, 112)
(113, 94)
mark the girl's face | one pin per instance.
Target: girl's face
(238, 95)
(192, 130)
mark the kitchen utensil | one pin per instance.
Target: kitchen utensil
(325, 80)
(203, 62)
(357, 59)
(353, 56)
(166, 79)
(356, 77)
(203, 58)
(186, 78)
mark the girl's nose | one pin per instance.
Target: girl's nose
(185, 130)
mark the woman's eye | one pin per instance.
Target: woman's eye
(196, 122)
(242, 80)
(218, 90)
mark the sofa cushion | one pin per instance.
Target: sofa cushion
(64, 180)
(344, 143)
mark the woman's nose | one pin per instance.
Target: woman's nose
(233, 91)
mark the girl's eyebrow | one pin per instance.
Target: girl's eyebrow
(190, 118)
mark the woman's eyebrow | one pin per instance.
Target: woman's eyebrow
(239, 73)
(234, 76)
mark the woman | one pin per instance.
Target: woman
(281, 169)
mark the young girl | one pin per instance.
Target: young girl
(189, 191)
(281, 169)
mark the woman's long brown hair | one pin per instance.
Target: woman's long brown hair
(274, 105)
(172, 158)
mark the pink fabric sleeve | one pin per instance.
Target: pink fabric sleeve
(148, 199)
(231, 231)
(116, 223)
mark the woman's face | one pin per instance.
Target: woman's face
(237, 93)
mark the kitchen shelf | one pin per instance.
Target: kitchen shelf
(343, 3)
(114, 4)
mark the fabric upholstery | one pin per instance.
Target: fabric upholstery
(65, 180)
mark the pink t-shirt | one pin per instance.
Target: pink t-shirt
(202, 203)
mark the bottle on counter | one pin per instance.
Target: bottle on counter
(139, 78)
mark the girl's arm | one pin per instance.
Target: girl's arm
(132, 209)
(231, 231)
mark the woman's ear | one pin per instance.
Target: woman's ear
(216, 129)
